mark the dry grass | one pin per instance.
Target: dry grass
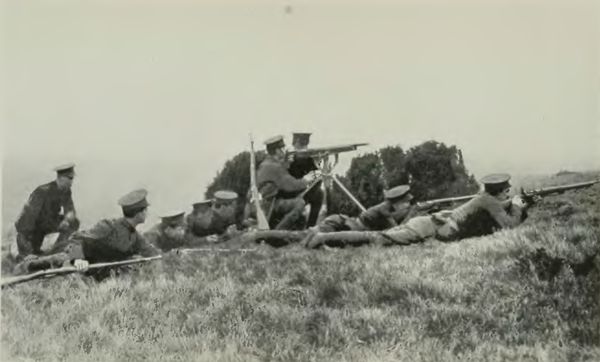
(524, 294)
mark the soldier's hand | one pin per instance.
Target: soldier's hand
(64, 225)
(212, 238)
(518, 201)
(30, 257)
(81, 265)
(136, 256)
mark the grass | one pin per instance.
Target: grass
(525, 294)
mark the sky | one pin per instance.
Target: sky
(160, 94)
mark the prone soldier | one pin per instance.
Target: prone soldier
(391, 212)
(491, 210)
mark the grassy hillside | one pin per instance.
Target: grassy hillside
(525, 294)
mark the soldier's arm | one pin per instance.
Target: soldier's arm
(287, 183)
(100, 231)
(503, 218)
(145, 249)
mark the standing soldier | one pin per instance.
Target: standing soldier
(280, 191)
(49, 209)
(391, 212)
(301, 166)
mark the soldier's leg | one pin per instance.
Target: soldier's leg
(314, 198)
(332, 223)
(291, 209)
(414, 230)
(29, 244)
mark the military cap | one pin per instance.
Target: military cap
(67, 169)
(202, 204)
(274, 143)
(301, 139)
(396, 192)
(134, 200)
(172, 217)
(225, 196)
(495, 179)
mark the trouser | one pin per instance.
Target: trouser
(314, 197)
(286, 214)
(31, 242)
(415, 230)
(340, 222)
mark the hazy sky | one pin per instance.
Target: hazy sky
(110, 84)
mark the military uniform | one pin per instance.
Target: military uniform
(302, 166)
(379, 217)
(113, 239)
(199, 221)
(482, 215)
(43, 214)
(165, 240)
(280, 191)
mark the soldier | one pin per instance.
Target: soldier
(489, 211)
(49, 209)
(301, 166)
(392, 211)
(170, 233)
(280, 191)
(114, 239)
(224, 210)
(199, 220)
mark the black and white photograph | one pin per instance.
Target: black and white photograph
(300, 180)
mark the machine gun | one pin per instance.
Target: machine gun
(321, 158)
(323, 152)
(529, 196)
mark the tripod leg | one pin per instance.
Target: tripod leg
(348, 193)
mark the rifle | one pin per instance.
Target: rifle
(528, 196)
(322, 152)
(71, 269)
(261, 218)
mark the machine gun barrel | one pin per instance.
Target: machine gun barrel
(323, 151)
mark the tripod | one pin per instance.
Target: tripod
(325, 177)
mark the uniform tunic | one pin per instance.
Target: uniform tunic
(280, 192)
(109, 240)
(41, 215)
